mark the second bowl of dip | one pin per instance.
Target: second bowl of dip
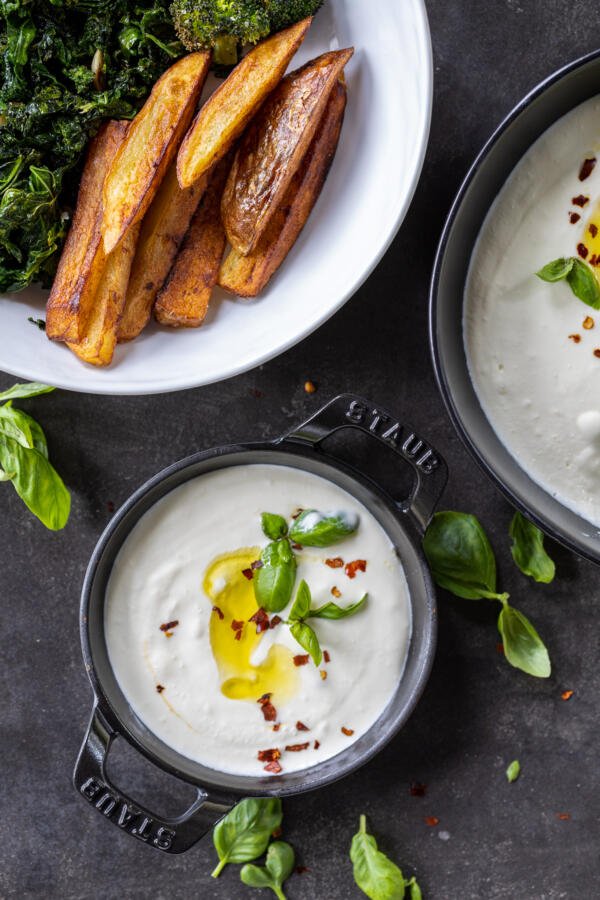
(517, 359)
(185, 666)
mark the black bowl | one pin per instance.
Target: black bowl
(553, 98)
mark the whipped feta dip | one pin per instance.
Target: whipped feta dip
(172, 570)
(533, 348)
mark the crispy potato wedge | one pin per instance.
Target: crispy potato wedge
(162, 231)
(227, 112)
(151, 144)
(97, 344)
(273, 146)
(247, 275)
(183, 301)
(82, 260)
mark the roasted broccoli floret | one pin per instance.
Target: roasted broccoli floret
(285, 12)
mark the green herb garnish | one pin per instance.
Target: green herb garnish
(277, 868)
(273, 526)
(528, 550)
(462, 561)
(376, 875)
(316, 529)
(301, 610)
(513, 771)
(244, 833)
(274, 580)
(578, 276)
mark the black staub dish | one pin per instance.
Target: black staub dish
(555, 97)
(112, 716)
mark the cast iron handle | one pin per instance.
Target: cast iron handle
(350, 411)
(173, 835)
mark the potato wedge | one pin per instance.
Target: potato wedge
(273, 146)
(162, 231)
(97, 345)
(183, 301)
(227, 112)
(151, 144)
(82, 260)
(246, 276)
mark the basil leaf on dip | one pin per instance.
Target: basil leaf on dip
(578, 275)
(273, 526)
(244, 833)
(274, 580)
(376, 875)
(301, 607)
(528, 550)
(332, 611)
(523, 647)
(308, 640)
(316, 529)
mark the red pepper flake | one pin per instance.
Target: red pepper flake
(297, 547)
(269, 755)
(300, 870)
(587, 167)
(277, 832)
(309, 387)
(219, 612)
(295, 748)
(593, 260)
(357, 565)
(593, 229)
(261, 619)
(300, 726)
(336, 591)
(575, 338)
(564, 817)
(248, 573)
(323, 674)
(335, 562)
(276, 727)
(237, 636)
(300, 660)
(432, 821)
(597, 353)
(566, 695)
(257, 564)
(326, 656)
(273, 767)
(237, 626)
(316, 745)
(169, 626)
(588, 323)
(417, 789)
(500, 648)
(254, 392)
(268, 710)
(110, 506)
(160, 688)
(574, 218)
(298, 511)
(347, 731)
(582, 250)
(580, 200)
(275, 621)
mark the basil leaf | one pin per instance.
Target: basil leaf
(301, 607)
(513, 771)
(333, 611)
(316, 529)
(528, 550)
(274, 581)
(6, 476)
(37, 434)
(14, 424)
(278, 867)
(556, 270)
(414, 889)
(376, 875)
(36, 482)
(245, 832)
(30, 389)
(523, 647)
(273, 526)
(460, 556)
(307, 639)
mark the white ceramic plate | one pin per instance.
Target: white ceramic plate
(362, 205)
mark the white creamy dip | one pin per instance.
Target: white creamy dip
(539, 387)
(158, 578)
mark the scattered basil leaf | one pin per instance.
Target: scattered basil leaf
(36, 482)
(277, 868)
(274, 580)
(414, 889)
(30, 389)
(460, 556)
(513, 771)
(333, 611)
(301, 607)
(273, 526)
(376, 875)
(316, 529)
(523, 647)
(14, 424)
(578, 276)
(307, 639)
(244, 833)
(528, 550)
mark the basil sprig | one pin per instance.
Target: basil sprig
(528, 550)
(513, 771)
(316, 529)
(274, 580)
(273, 526)
(462, 561)
(244, 833)
(278, 867)
(24, 459)
(578, 275)
(376, 875)
(301, 610)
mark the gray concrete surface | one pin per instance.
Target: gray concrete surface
(494, 841)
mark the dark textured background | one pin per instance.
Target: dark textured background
(493, 840)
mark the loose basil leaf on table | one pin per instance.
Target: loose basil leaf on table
(244, 833)
(376, 875)
(513, 771)
(301, 607)
(528, 550)
(36, 482)
(523, 647)
(333, 611)
(578, 276)
(460, 556)
(277, 868)
(273, 526)
(29, 389)
(274, 580)
(308, 640)
(316, 529)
